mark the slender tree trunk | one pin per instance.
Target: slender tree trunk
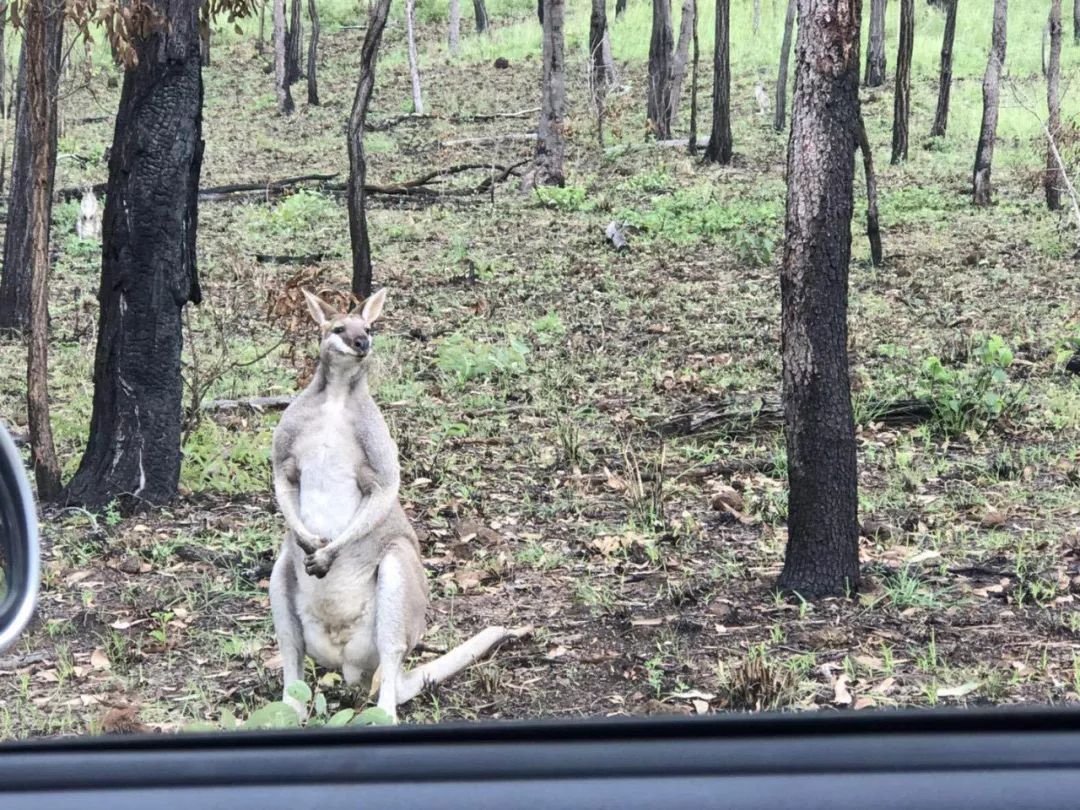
(756, 22)
(261, 44)
(873, 230)
(312, 56)
(902, 97)
(480, 10)
(550, 144)
(984, 153)
(941, 117)
(540, 12)
(601, 71)
(692, 140)
(822, 550)
(719, 149)
(875, 50)
(659, 90)
(148, 269)
(204, 44)
(1054, 181)
(681, 61)
(3, 75)
(1076, 21)
(779, 119)
(285, 104)
(414, 62)
(293, 37)
(43, 33)
(455, 27)
(358, 232)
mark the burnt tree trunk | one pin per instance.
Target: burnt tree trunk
(414, 60)
(873, 229)
(875, 48)
(3, 77)
(285, 104)
(312, 55)
(692, 145)
(1076, 21)
(550, 141)
(18, 239)
(681, 60)
(719, 149)
(780, 116)
(1054, 181)
(822, 556)
(620, 7)
(358, 232)
(902, 96)
(941, 116)
(148, 269)
(454, 34)
(43, 33)
(261, 42)
(480, 10)
(293, 38)
(204, 44)
(991, 91)
(659, 90)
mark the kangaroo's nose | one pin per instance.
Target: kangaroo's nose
(362, 343)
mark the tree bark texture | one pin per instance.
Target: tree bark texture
(822, 555)
(358, 232)
(692, 139)
(480, 10)
(1076, 21)
(414, 61)
(601, 71)
(293, 38)
(454, 34)
(941, 116)
(148, 270)
(902, 96)
(875, 49)
(1054, 182)
(658, 99)
(991, 91)
(681, 61)
(204, 44)
(550, 141)
(780, 114)
(873, 229)
(285, 104)
(620, 7)
(43, 33)
(719, 149)
(312, 55)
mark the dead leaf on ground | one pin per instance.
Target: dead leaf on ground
(99, 660)
(958, 691)
(841, 695)
(730, 497)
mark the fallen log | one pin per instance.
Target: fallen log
(408, 118)
(311, 258)
(257, 404)
(268, 187)
(491, 139)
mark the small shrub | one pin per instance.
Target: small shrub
(465, 358)
(973, 397)
(278, 715)
(568, 199)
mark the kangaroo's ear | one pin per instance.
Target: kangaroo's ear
(373, 306)
(319, 309)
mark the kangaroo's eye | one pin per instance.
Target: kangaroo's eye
(337, 330)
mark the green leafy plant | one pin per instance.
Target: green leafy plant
(464, 358)
(278, 715)
(568, 199)
(973, 397)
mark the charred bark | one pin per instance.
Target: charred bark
(902, 96)
(681, 61)
(822, 555)
(285, 104)
(780, 117)
(293, 38)
(620, 8)
(312, 55)
(873, 229)
(358, 232)
(1054, 181)
(148, 270)
(719, 149)
(875, 49)
(941, 116)
(480, 10)
(991, 91)
(661, 43)
(692, 139)
(550, 141)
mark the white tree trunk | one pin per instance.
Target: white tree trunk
(455, 26)
(414, 66)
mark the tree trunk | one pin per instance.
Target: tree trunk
(692, 140)
(681, 61)
(550, 144)
(312, 56)
(620, 8)
(873, 230)
(148, 269)
(261, 44)
(414, 62)
(204, 44)
(480, 10)
(719, 149)
(984, 152)
(15, 283)
(659, 90)
(285, 104)
(755, 24)
(3, 78)
(822, 555)
(779, 119)
(1076, 21)
(1054, 182)
(293, 38)
(43, 34)
(941, 117)
(540, 12)
(902, 96)
(455, 27)
(875, 50)
(358, 233)
(601, 71)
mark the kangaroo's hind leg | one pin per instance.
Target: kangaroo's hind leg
(400, 605)
(287, 627)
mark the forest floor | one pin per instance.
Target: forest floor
(524, 368)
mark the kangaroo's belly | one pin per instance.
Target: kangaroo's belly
(337, 614)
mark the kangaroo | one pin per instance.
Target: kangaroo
(88, 225)
(349, 587)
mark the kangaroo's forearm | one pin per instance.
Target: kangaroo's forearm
(288, 498)
(372, 511)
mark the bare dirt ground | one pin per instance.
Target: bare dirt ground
(525, 365)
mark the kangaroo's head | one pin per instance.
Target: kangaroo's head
(346, 336)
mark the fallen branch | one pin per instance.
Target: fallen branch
(736, 417)
(310, 258)
(491, 139)
(269, 187)
(408, 118)
(256, 404)
(11, 662)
